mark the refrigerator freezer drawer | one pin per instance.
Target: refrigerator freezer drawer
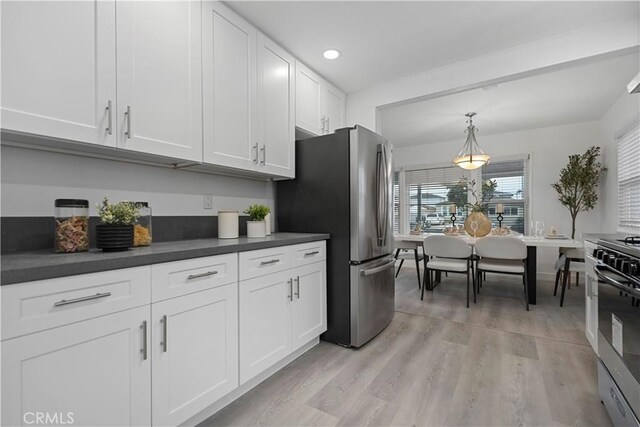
(372, 299)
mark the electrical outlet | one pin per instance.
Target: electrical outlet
(207, 202)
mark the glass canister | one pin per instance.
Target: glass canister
(72, 225)
(142, 227)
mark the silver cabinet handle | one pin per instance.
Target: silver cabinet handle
(109, 117)
(127, 115)
(255, 147)
(87, 298)
(264, 155)
(290, 295)
(164, 334)
(144, 340)
(197, 276)
(298, 287)
(271, 261)
(311, 253)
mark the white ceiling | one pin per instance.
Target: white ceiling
(386, 40)
(581, 93)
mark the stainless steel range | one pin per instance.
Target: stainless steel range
(618, 271)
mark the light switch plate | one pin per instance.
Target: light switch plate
(207, 202)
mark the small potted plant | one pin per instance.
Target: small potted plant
(116, 231)
(257, 226)
(477, 224)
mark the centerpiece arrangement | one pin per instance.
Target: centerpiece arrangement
(477, 223)
(116, 231)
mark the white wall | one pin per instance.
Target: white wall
(549, 149)
(623, 114)
(500, 66)
(32, 180)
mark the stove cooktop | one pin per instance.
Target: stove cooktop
(629, 246)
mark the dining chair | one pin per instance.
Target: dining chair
(448, 254)
(404, 251)
(571, 261)
(503, 255)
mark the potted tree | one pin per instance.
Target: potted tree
(257, 226)
(116, 231)
(578, 183)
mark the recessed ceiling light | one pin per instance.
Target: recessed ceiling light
(331, 53)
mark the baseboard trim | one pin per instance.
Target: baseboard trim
(244, 388)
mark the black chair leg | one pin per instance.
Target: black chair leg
(399, 267)
(555, 289)
(478, 279)
(415, 252)
(473, 283)
(566, 275)
(427, 275)
(468, 284)
(526, 286)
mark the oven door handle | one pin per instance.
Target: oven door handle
(611, 281)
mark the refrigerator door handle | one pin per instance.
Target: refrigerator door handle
(377, 270)
(385, 218)
(379, 196)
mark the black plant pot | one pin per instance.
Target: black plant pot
(113, 238)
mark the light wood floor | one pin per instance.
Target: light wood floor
(439, 363)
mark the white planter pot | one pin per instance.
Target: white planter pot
(267, 219)
(256, 228)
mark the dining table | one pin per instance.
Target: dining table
(532, 242)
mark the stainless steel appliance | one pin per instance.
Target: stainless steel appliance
(618, 271)
(343, 187)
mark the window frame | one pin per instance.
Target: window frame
(619, 226)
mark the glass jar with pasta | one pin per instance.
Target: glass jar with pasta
(142, 227)
(72, 225)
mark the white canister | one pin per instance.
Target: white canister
(256, 229)
(268, 224)
(228, 225)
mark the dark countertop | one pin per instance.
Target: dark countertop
(39, 265)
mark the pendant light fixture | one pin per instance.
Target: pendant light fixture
(471, 156)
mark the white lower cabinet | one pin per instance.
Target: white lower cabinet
(279, 313)
(265, 322)
(310, 303)
(93, 372)
(591, 296)
(195, 352)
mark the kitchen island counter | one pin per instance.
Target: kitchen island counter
(28, 266)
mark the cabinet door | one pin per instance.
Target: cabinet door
(276, 123)
(308, 109)
(309, 303)
(160, 78)
(265, 322)
(229, 87)
(333, 105)
(88, 373)
(591, 310)
(59, 69)
(195, 352)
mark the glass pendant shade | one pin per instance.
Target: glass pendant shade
(471, 155)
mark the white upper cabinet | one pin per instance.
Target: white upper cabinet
(320, 107)
(333, 106)
(308, 116)
(160, 78)
(229, 87)
(276, 111)
(58, 69)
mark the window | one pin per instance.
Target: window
(396, 202)
(629, 179)
(512, 192)
(428, 196)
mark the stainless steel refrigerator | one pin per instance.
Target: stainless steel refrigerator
(343, 187)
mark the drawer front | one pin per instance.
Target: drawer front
(308, 253)
(36, 306)
(174, 279)
(264, 261)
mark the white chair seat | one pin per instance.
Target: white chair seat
(410, 255)
(574, 266)
(501, 265)
(448, 264)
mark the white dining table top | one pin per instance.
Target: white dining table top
(529, 240)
